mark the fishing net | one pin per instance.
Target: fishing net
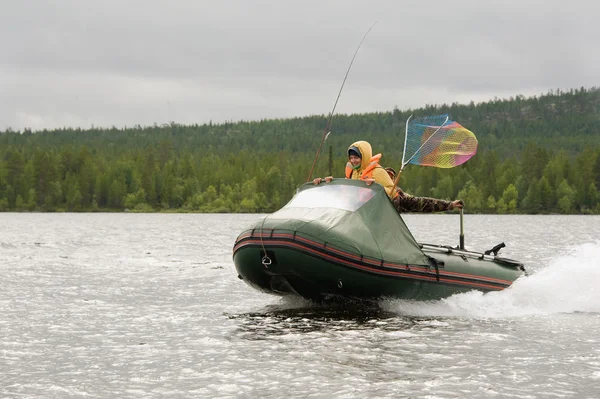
(437, 141)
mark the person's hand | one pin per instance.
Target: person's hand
(318, 180)
(369, 181)
(456, 204)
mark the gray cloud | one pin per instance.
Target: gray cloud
(74, 63)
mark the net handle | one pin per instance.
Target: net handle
(405, 140)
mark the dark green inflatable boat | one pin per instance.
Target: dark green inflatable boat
(345, 239)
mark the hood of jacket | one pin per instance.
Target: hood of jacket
(366, 152)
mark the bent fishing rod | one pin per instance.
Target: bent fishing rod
(328, 125)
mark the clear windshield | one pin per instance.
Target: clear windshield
(348, 198)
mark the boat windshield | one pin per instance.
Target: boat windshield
(348, 198)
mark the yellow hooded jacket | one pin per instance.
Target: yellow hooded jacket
(378, 173)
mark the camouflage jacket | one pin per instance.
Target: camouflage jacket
(407, 203)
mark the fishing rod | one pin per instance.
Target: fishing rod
(328, 126)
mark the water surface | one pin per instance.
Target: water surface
(149, 305)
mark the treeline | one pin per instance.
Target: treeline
(536, 155)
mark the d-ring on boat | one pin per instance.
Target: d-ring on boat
(345, 239)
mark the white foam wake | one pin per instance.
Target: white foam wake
(570, 283)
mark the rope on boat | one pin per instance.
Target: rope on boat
(266, 261)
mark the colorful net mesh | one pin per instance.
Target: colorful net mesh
(439, 142)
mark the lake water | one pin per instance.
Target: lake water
(150, 306)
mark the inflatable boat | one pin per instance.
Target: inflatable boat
(344, 239)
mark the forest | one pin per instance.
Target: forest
(536, 155)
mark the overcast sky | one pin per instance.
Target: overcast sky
(76, 63)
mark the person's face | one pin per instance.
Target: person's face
(354, 160)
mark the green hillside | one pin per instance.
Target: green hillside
(536, 155)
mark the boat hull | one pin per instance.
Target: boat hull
(297, 266)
